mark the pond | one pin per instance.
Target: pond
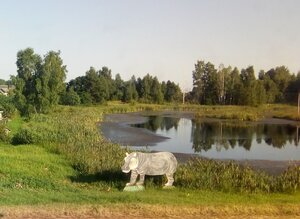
(224, 140)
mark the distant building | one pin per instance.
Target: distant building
(4, 89)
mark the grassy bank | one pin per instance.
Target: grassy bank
(32, 175)
(36, 183)
(65, 160)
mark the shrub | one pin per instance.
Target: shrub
(4, 132)
(23, 136)
(7, 106)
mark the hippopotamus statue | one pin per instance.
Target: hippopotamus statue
(149, 164)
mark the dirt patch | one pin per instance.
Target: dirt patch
(151, 211)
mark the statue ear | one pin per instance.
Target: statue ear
(127, 154)
(134, 154)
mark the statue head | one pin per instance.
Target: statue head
(130, 162)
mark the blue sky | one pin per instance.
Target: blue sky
(162, 37)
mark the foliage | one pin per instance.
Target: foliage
(231, 177)
(205, 83)
(70, 97)
(98, 87)
(130, 94)
(227, 86)
(4, 132)
(23, 136)
(7, 106)
(73, 132)
(39, 82)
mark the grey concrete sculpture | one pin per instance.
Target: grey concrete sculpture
(149, 164)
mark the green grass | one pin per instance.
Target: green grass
(69, 162)
(15, 124)
(31, 175)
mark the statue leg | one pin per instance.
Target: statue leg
(170, 179)
(133, 177)
(142, 179)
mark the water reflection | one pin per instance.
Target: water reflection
(227, 135)
(158, 122)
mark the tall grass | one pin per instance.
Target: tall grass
(73, 132)
(283, 112)
(231, 177)
(240, 113)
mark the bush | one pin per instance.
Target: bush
(7, 106)
(70, 98)
(4, 132)
(23, 136)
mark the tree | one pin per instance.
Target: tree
(260, 93)
(281, 77)
(249, 91)
(271, 90)
(54, 73)
(198, 82)
(172, 92)
(293, 90)
(118, 88)
(28, 65)
(70, 97)
(7, 105)
(39, 83)
(145, 88)
(205, 83)
(49, 82)
(130, 93)
(97, 86)
(2, 82)
(156, 94)
(222, 83)
(107, 83)
(234, 88)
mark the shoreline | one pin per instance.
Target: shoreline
(118, 127)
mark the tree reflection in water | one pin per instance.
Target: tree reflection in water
(231, 134)
(228, 134)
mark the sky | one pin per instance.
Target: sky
(164, 38)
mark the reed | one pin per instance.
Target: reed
(231, 177)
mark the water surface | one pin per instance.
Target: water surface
(224, 140)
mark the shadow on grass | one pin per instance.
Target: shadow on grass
(115, 179)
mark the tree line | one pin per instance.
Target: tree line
(229, 86)
(40, 84)
(98, 86)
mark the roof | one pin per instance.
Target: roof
(4, 89)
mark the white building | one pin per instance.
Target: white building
(4, 89)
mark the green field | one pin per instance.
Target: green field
(66, 161)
